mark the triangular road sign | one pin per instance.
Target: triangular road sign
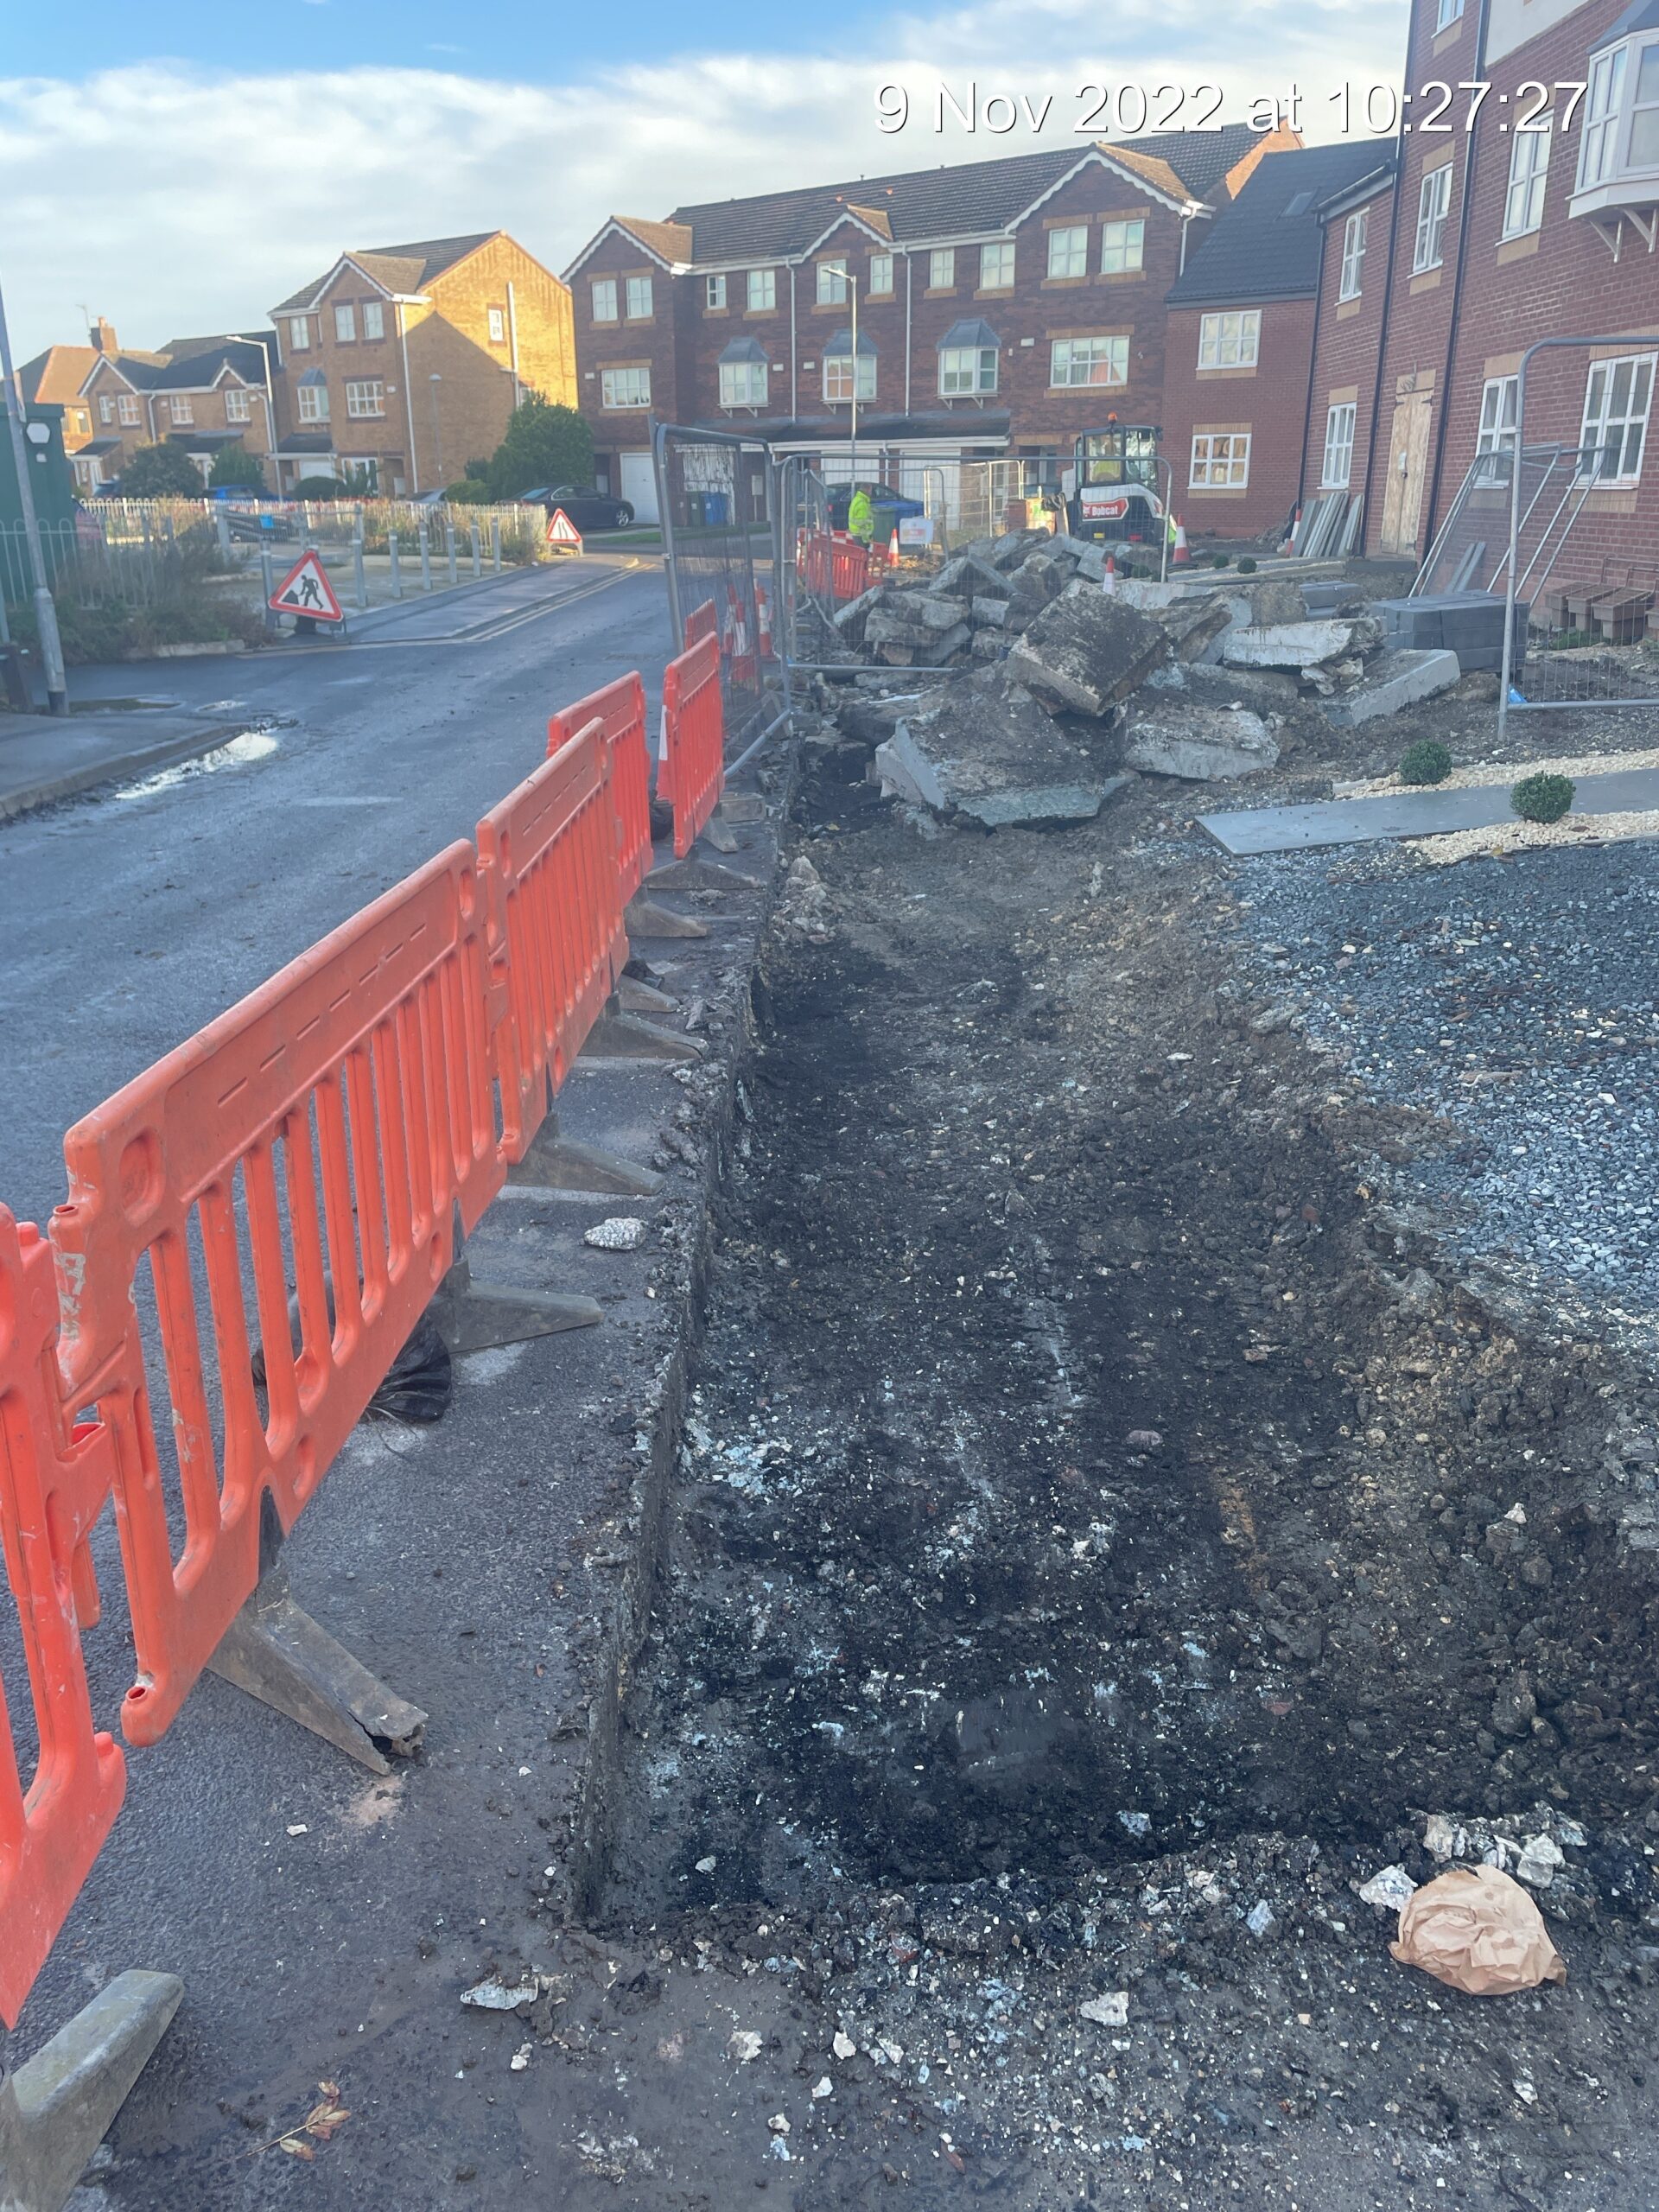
(561, 530)
(305, 590)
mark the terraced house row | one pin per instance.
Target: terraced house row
(1295, 321)
(390, 371)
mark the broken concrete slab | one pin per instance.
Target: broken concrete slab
(1394, 680)
(991, 614)
(937, 611)
(1087, 653)
(1302, 646)
(1169, 735)
(985, 751)
(1193, 626)
(886, 626)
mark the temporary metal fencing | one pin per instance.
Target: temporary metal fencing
(714, 497)
(1580, 620)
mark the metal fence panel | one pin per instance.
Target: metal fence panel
(1579, 622)
(713, 493)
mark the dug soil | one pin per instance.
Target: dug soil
(1107, 1531)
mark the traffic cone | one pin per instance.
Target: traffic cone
(1109, 581)
(893, 547)
(1289, 545)
(1181, 558)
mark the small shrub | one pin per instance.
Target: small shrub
(1220, 561)
(1425, 762)
(469, 491)
(1246, 566)
(1542, 798)
(318, 487)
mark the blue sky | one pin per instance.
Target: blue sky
(217, 156)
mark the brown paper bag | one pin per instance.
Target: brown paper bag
(1478, 1930)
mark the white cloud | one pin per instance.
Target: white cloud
(172, 200)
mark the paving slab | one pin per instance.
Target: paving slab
(47, 757)
(1414, 814)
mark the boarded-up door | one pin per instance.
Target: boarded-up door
(1402, 496)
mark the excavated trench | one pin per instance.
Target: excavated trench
(1081, 1465)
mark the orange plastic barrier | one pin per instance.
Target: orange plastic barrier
(700, 623)
(696, 739)
(553, 906)
(318, 1140)
(620, 707)
(53, 1487)
(849, 573)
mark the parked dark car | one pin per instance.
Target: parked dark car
(890, 506)
(255, 524)
(586, 508)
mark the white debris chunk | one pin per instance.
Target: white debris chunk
(1111, 2010)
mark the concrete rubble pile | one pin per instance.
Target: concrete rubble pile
(1058, 687)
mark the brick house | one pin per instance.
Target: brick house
(53, 378)
(201, 394)
(1502, 236)
(1239, 344)
(408, 361)
(1004, 306)
(1354, 224)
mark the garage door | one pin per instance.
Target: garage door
(638, 485)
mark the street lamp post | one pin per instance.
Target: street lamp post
(434, 380)
(46, 614)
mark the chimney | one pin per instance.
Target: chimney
(104, 338)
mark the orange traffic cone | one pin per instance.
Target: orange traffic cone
(1289, 545)
(892, 548)
(1108, 582)
(1181, 558)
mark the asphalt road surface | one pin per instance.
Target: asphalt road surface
(324, 1920)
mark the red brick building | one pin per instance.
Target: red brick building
(1003, 307)
(1541, 221)
(1354, 224)
(1237, 399)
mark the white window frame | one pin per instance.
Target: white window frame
(374, 318)
(1123, 247)
(1220, 461)
(496, 319)
(182, 411)
(1433, 206)
(942, 268)
(1354, 231)
(743, 384)
(639, 300)
(1230, 339)
(967, 371)
(1632, 425)
(1336, 471)
(838, 378)
(1068, 250)
(1642, 50)
(832, 281)
(763, 291)
(996, 266)
(1496, 431)
(1599, 132)
(105, 407)
(299, 333)
(625, 390)
(1072, 354)
(1449, 12)
(879, 282)
(605, 299)
(128, 411)
(1523, 195)
(714, 292)
(366, 399)
(312, 403)
(238, 404)
(345, 322)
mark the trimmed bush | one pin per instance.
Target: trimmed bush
(1542, 798)
(1246, 566)
(318, 487)
(1425, 762)
(1220, 561)
(468, 492)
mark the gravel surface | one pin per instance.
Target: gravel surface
(1515, 1000)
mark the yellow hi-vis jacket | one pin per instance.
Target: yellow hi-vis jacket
(861, 516)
